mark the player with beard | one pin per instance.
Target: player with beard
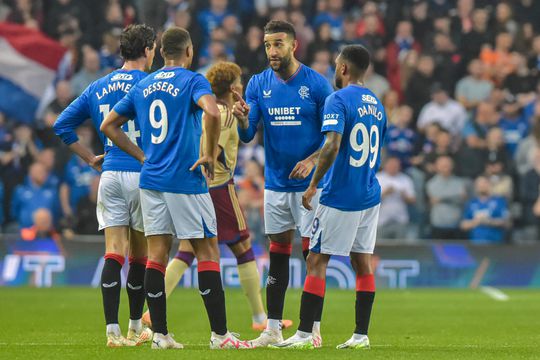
(346, 218)
(289, 98)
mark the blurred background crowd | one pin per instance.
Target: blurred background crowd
(459, 80)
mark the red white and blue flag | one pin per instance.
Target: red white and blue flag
(28, 64)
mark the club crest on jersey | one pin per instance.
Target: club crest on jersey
(164, 75)
(303, 92)
(267, 94)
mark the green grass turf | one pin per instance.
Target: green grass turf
(64, 323)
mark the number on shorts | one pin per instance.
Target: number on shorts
(368, 146)
(162, 123)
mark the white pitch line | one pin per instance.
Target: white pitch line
(494, 293)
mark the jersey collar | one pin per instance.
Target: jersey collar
(290, 77)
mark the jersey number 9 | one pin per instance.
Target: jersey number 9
(161, 124)
(369, 144)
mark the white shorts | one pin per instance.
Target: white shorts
(188, 216)
(337, 232)
(118, 202)
(284, 211)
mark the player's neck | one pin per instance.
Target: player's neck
(227, 100)
(139, 64)
(290, 70)
(175, 63)
(355, 81)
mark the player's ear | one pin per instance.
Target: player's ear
(189, 51)
(295, 45)
(161, 52)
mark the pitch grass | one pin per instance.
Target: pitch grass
(65, 323)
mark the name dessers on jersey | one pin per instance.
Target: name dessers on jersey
(357, 114)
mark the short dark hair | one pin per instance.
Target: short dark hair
(358, 56)
(135, 39)
(277, 26)
(175, 41)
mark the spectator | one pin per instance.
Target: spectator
(524, 157)
(85, 217)
(323, 41)
(462, 21)
(400, 138)
(447, 60)
(397, 192)
(40, 237)
(304, 33)
(513, 123)
(27, 13)
(442, 109)
(250, 53)
(418, 93)
(109, 54)
(78, 176)
(47, 158)
(446, 193)
(471, 42)
(534, 59)
(501, 183)
(486, 215)
(371, 36)
(391, 105)
(212, 17)
(519, 81)
(443, 147)
(496, 150)
(376, 83)
(32, 196)
(333, 17)
(90, 72)
(64, 96)
(530, 196)
(499, 60)
(473, 89)
(397, 52)
(422, 24)
(504, 21)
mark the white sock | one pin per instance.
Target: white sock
(317, 326)
(302, 334)
(259, 318)
(113, 329)
(135, 325)
(273, 324)
(358, 336)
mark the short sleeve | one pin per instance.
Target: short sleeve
(333, 114)
(200, 87)
(126, 106)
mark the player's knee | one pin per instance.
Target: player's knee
(206, 249)
(361, 264)
(316, 264)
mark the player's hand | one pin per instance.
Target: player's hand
(97, 162)
(302, 169)
(240, 107)
(308, 196)
(207, 163)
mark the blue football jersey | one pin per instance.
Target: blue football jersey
(292, 116)
(165, 103)
(95, 103)
(357, 114)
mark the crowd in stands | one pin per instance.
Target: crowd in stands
(459, 80)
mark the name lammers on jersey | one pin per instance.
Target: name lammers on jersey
(285, 116)
(161, 86)
(114, 86)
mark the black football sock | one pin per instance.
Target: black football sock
(211, 291)
(365, 295)
(135, 286)
(111, 284)
(154, 287)
(312, 299)
(278, 279)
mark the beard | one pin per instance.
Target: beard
(338, 81)
(282, 65)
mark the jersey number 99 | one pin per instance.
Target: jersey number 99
(161, 124)
(369, 145)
